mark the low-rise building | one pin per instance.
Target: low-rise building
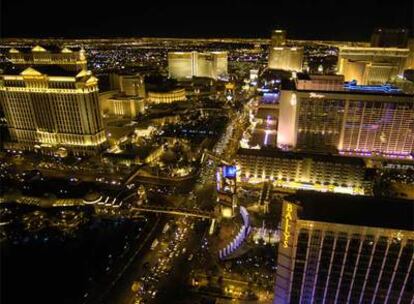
(114, 104)
(320, 172)
(166, 96)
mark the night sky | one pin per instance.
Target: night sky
(307, 19)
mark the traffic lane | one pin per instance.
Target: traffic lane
(122, 292)
(174, 286)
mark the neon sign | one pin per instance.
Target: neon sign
(286, 227)
(315, 95)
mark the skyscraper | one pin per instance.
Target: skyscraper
(278, 38)
(283, 57)
(360, 120)
(345, 249)
(286, 58)
(51, 101)
(185, 65)
(384, 37)
(371, 65)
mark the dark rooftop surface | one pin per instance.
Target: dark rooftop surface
(51, 70)
(356, 91)
(355, 210)
(301, 155)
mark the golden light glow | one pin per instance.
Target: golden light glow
(227, 212)
(30, 72)
(38, 48)
(286, 227)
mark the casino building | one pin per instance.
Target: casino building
(226, 189)
(73, 60)
(51, 102)
(371, 65)
(345, 249)
(300, 170)
(353, 119)
(278, 38)
(166, 96)
(114, 104)
(185, 65)
(282, 56)
(286, 58)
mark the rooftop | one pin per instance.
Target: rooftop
(323, 157)
(355, 210)
(385, 88)
(50, 49)
(50, 70)
(348, 87)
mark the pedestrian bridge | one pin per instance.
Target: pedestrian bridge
(175, 211)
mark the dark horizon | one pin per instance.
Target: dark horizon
(327, 20)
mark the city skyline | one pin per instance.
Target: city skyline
(216, 19)
(269, 170)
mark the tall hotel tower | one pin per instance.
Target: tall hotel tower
(345, 249)
(184, 65)
(325, 114)
(282, 57)
(50, 101)
(371, 65)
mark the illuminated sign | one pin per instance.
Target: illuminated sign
(229, 171)
(287, 225)
(315, 95)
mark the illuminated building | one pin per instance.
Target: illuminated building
(263, 119)
(286, 58)
(282, 57)
(132, 85)
(181, 65)
(68, 58)
(240, 238)
(404, 84)
(371, 65)
(344, 249)
(254, 75)
(226, 177)
(319, 172)
(185, 65)
(168, 96)
(127, 98)
(128, 84)
(49, 106)
(389, 38)
(114, 104)
(278, 38)
(409, 64)
(362, 120)
(322, 83)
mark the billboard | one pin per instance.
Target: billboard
(229, 172)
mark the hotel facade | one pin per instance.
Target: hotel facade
(52, 104)
(185, 65)
(371, 65)
(344, 249)
(286, 58)
(361, 120)
(319, 172)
